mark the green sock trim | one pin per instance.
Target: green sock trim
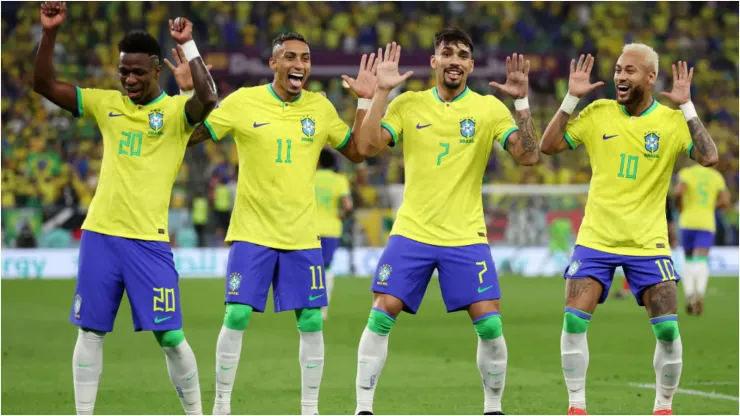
(700, 259)
(380, 323)
(237, 316)
(170, 338)
(574, 324)
(309, 320)
(489, 328)
(666, 330)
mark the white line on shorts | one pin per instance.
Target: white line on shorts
(711, 395)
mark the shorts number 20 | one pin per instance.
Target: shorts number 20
(165, 300)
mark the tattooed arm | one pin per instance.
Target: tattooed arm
(704, 150)
(522, 144)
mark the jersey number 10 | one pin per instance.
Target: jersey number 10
(630, 170)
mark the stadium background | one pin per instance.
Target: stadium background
(51, 162)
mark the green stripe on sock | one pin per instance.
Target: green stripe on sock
(574, 324)
(666, 330)
(489, 328)
(380, 323)
(698, 259)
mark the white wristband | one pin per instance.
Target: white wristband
(190, 50)
(364, 103)
(521, 104)
(569, 103)
(689, 111)
(188, 93)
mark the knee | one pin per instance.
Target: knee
(237, 316)
(576, 321)
(169, 338)
(666, 330)
(309, 320)
(489, 327)
(90, 335)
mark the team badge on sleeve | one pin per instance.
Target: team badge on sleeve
(467, 128)
(308, 126)
(384, 273)
(651, 142)
(235, 281)
(156, 122)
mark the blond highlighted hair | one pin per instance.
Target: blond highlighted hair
(647, 52)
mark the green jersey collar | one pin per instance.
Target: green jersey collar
(277, 97)
(647, 111)
(154, 101)
(458, 98)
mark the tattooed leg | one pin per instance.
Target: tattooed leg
(583, 294)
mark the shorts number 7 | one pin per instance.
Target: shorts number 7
(485, 269)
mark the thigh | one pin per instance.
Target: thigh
(329, 246)
(99, 286)
(703, 240)
(300, 280)
(404, 271)
(597, 265)
(250, 270)
(467, 275)
(151, 284)
(643, 272)
(687, 240)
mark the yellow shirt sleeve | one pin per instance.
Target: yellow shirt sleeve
(392, 121)
(220, 122)
(579, 129)
(339, 132)
(503, 122)
(89, 100)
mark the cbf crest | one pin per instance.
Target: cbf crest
(384, 273)
(573, 268)
(467, 128)
(156, 123)
(77, 305)
(308, 126)
(652, 141)
(234, 282)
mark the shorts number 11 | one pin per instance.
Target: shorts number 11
(313, 278)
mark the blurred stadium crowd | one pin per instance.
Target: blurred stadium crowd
(50, 161)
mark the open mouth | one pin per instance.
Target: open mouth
(295, 80)
(623, 90)
(454, 74)
(133, 94)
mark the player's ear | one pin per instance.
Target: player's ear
(472, 65)
(433, 61)
(273, 63)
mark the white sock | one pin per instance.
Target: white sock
(702, 277)
(329, 275)
(87, 367)
(688, 280)
(311, 358)
(371, 356)
(492, 357)
(183, 371)
(667, 363)
(228, 350)
(574, 357)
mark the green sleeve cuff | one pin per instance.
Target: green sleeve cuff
(391, 131)
(688, 151)
(569, 140)
(506, 136)
(210, 130)
(346, 139)
(79, 102)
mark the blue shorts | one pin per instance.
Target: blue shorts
(693, 239)
(296, 276)
(466, 273)
(145, 269)
(641, 272)
(329, 245)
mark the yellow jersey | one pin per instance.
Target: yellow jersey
(446, 149)
(702, 186)
(279, 145)
(632, 159)
(144, 146)
(331, 187)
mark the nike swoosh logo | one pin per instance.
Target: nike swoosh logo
(419, 126)
(483, 289)
(310, 298)
(495, 374)
(255, 125)
(363, 362)
(191, 377)
(605, 137)
(569, 369)
(85, 365)
(158, 319)
(114, 115)
(312, 366)
(227, 368)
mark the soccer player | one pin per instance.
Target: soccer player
(633, 143)
(279, 130)
(448, 132)
(698, 192)
(125, 243)
(333, 203)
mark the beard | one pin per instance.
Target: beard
(635, 96)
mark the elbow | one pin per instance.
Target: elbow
(210, 101)
(547, 149)
(40, 85)
(709, 160)
(529, 159)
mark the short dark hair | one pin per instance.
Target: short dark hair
(327, 159)
(452, 35)
(286, 36)
(140, 42)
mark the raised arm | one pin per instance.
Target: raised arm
(60, 93)
(579, 84)
(522, 144)
(205, 98)
(704, 150)
(374, 138)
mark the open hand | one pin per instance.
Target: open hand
(182, 70)
(181, 30)
(387, 74)
(681, 92)
(517, 77)
(579, 83)
(364, 85)
(53, 14)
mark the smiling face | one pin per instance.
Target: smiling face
(291, 63)
(139, 75)
(634, 77)
(452, 63)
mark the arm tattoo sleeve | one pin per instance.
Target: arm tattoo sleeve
(527, 133)
(702, 141)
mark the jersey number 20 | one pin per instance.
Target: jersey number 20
(131, 144)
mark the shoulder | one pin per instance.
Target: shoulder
(318, 101)
(101, 94)
(601, 106)
(408, 97)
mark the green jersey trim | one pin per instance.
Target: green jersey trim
(506, 136)
(458, 98)
(79, 102)
(393, 133)
(154, 101)
(346, 139)
(277, 97)
(214, 137)
(647, 111)
(569, 140)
